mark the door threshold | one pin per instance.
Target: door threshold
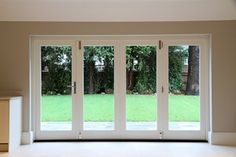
(122, 140)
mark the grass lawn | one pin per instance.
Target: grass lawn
(139, 108)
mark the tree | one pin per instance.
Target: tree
(98, 69)
(131, 57)
(57, 61)
(177, 55)
(89, 67)
(192, 87)
(141, 69)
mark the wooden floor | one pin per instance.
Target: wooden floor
(122, 149)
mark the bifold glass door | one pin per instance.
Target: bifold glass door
(112, 94)
(98, 100)
(141, 90)
(120, 89)
(55, 81)
(184, 99)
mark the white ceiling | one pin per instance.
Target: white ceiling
(117, 10)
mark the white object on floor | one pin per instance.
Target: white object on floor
(10, 122)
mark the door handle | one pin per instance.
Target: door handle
(73, 86)
(162, 89)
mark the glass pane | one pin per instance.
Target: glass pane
(56, 100)
(184, 99)
(98, 88)
(141, 99)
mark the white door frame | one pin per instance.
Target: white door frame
(119, 43)
(137, 134)
(99, 134)
(36, 90)
(204, 90)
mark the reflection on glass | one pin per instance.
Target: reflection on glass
(98, 88)
(141, 99)
(56, 101)
(184, 99)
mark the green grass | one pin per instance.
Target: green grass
(139, 108)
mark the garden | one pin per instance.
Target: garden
(184, 103)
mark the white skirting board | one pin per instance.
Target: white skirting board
(222, 138)
(27, 138)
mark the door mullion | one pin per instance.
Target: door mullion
(75, 99)
(162, 89)
(120, 88)
(78, 106)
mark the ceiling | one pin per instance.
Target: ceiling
(117, 10)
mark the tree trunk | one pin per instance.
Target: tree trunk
(192, 87)
(91, 78)
(127, 79)
(131, 76)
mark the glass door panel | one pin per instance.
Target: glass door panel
(141, 95)
(98, 88)
(184, 87)
(56, 81)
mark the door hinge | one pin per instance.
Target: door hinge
(160, 44)
(79, 45)
(74, 87)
